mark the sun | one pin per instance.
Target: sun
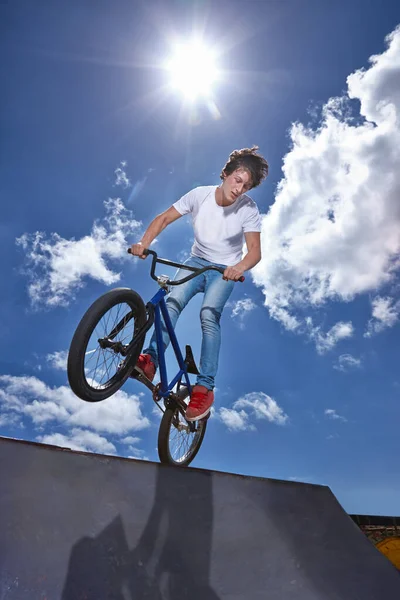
(193, 70)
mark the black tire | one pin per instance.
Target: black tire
(164, 432)
(77, 352)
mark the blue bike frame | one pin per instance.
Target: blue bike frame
(160, 309)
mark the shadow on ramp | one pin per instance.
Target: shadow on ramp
(168, 562)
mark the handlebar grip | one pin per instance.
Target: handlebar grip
(145, 251)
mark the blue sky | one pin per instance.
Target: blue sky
(93, 147)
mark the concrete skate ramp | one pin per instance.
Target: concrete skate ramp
(78, 526)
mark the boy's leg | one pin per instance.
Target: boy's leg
(176, 301)
(216, 295)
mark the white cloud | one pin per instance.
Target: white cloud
(10, 401)
(263, 407)
(156, 412)
(58, 360)
(137, 453)
(79, 439)
(385, 313)
(235, 420)
(10, 419)
(255, 404)
(347, 362)
(332, 414)
(333, 231)
(130, 440)
(57, 268)
(134, 457)
(121, 177)
(43, 412)
(241, 308)
(30, 397)
(327, 341)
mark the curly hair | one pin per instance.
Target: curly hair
(249, 159)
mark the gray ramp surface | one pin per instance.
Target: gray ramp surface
(79, 526)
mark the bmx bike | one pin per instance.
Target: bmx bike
(105, 348)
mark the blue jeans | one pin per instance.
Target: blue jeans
(216, 293)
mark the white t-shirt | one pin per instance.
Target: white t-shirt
(219, 230)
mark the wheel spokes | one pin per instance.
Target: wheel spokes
(182, 441)
(101, 364)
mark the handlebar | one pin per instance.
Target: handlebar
(164, 261)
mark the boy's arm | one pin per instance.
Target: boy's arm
(253, 256)
(154, 229)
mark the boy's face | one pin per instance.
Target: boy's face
(237, 183)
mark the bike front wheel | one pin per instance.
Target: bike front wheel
(177, 443)
(97, 366)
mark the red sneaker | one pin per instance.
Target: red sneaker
(201, 401)
(146, 366)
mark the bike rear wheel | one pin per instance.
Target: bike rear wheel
(177, 444)
(96, 372)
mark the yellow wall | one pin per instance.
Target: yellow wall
(390, 547)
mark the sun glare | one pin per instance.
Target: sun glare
(193, 70)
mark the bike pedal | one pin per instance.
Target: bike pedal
(206, 417)
(135, 374)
